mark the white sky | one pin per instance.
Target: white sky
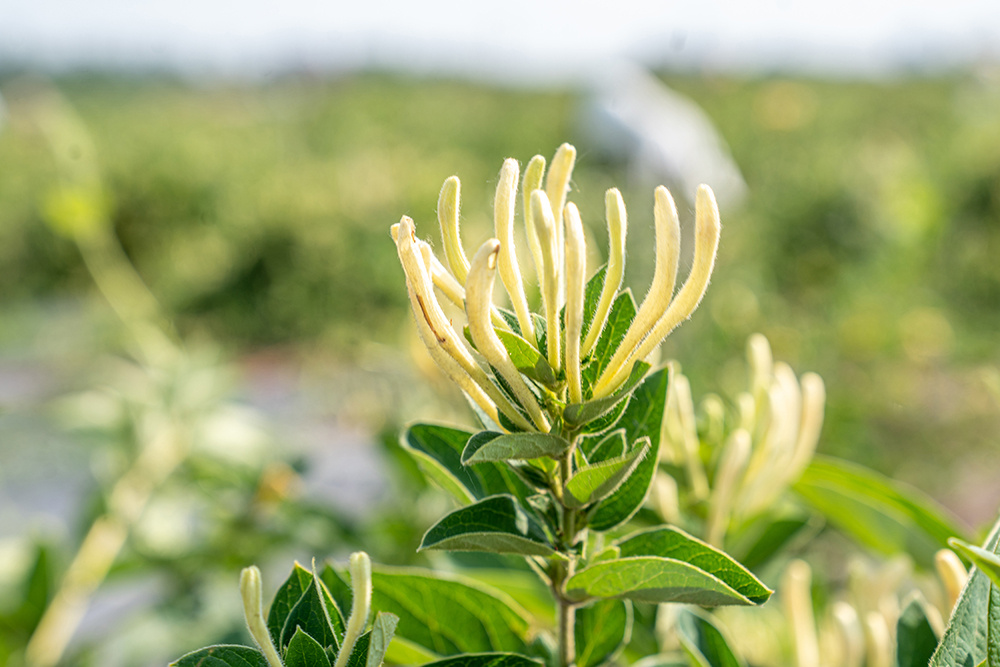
(519, 36)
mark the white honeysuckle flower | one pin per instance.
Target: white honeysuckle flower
(533, 396)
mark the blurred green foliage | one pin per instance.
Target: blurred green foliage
(259, 215)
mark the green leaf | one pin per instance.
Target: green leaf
(598, 480)
(312, 613)
(600, 630)
(704, 642)
(756, 543)
(304, 651)
(993, 629)
(497, 524)
(223, 656)
(965, 639)
(652, 579)
(642, 419)
(359, 652)
(338, 585)
(673, 543)
(449, 615)
(915, 638)
(578, 414)
(885, 515)
(987, 562)
(487, 660)
(591, 297)
(438, 451)
(287, 596)
(527, 360)
(620, 316)
(383, 628)
(490, 446)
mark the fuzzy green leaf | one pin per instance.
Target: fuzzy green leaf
(487, 660)
(577, 414)
(965, 640)
(915, 638)
(497, 524)
(675, 544)
(756, 543)
(527, 360)
(312, 613)
(598, 480)
(304, 651)
(620, 316)
(383, 628)
(223, 656)
(359, 653)
(642, 419)
(987, 562)
(490, 446)
(438, 451)
(652, 579)
(600, 630)
(878, 512)
(287, 596)
(449, 615)
(704, 642)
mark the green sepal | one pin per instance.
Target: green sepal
(497, 524)
(597, 481)
(304, 651)
(222, 656)
(601, 630)
(316, 613)
(703, 641)
(489, 446)
(674, 544)
(289, 593)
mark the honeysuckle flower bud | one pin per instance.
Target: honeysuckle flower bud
(952, 574)
(689, 445)
(556, 187)
(361, 599)
(478, 292)
(440, 338)
(880, 648)
(545, 230)
(448, 208)
(796, 595)
(732, 465)
(532, 181)
(851, 634)
(810, 425)
(707, 229)
(617, 229)
(668, 233)
(253, 612)
(510, 274)
(761, 366)
(576, 278)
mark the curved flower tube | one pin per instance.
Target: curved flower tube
(448, 209)
(545, 229)
(576, 278)
(617, 229)
(510, 274)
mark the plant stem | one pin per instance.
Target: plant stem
(567, 610)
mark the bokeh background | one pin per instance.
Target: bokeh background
(243, 162)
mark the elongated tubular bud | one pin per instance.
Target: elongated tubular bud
(440, 337)
(478, 291)
(851, 634)
(810, 425)
(668, 233)
(510, 273)
(689, 435)
(576, 277)
(556, 187)
(448, 209)
(952, 574)
(361, 600)
(880, 649)
(617, 229)
(253, 612)
(450, 287)
(532, 181)
(796, 594)
(687, 299)
(545, 226)
(761, 365)
(732, 465)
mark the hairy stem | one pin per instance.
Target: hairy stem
(565, 569)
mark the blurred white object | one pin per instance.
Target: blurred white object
(631, 115)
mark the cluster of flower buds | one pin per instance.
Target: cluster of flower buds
(485, 371)
(778, 426)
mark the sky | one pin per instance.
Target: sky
(519, 39)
